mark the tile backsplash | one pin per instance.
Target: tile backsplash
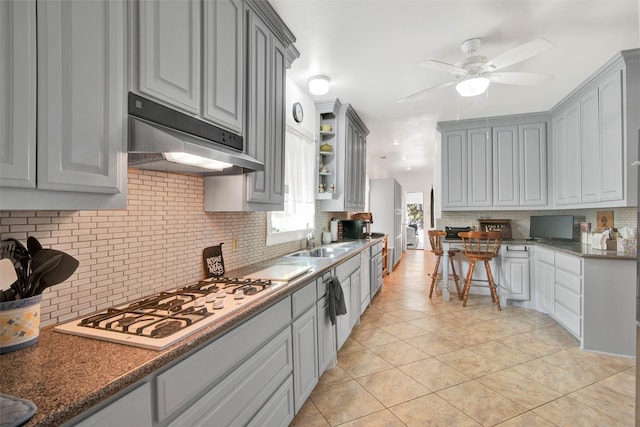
(154, 245)
(622, 217)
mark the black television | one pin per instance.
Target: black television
(552, 227)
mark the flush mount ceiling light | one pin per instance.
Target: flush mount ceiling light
(472, 86)
(319, 85)
(193, 160)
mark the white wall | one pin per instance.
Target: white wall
(296, 94)
(417, 182)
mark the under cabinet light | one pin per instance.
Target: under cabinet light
(193, 160)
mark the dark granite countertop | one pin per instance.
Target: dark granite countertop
(65, 375)
(569, 247)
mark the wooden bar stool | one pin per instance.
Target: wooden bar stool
(481, 246)
(435, 239)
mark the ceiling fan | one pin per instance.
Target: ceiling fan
(473, 75)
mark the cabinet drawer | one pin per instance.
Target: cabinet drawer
(569, 263)
(241, 394)
(569, 320)
(569, 281)
(279, 409)
(321, 285)
(133, 409)
(545, 255)
(195, 374)
(344, 270)
(568, 299)
(377, 248)
(303, 299)
(515, 251)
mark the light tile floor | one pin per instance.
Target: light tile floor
(413, 361)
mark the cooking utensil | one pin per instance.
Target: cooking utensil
(19, 256)
(61, 272)
(33, 245)
(33, 284)
(8, 274)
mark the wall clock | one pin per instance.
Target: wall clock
(298, 114)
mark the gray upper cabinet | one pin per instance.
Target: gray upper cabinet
(454, 169)
(81, 86)
(170, 48)
(567, 167)
(355, 175)
(595, 137)
(503, 165)
(265, 119)
(269, 51)
(506, 159)
(351, 161)
(80, 151)
(466, 168)
(479, 164)
(18, 93)
(611, 122)
(190, 55)
(223, 63)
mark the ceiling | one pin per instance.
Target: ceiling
(370, 49)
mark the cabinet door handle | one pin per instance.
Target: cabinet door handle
(518, 250)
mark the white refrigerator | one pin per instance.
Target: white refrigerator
(385, 203)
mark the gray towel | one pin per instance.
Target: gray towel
(337, 306)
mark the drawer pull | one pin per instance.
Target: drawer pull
(517, 250)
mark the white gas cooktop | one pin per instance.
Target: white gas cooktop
(158, 321)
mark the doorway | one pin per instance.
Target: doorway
(415, 220)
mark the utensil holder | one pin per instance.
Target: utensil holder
(19, 323)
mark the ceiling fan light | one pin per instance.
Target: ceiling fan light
(319, 85)
(473, 86)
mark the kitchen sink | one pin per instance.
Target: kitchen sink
(327, 252)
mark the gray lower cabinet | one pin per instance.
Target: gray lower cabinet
(258, 374)
(376, 268)
(365, 280)
(277, 412)
(133, 409)
(241, 394)
(594, 299)
(305, 343)
(349, 275)
(545, 280)
(327, 353)
(251, 363)
(80, 151)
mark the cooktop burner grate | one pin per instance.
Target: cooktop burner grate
(166, 313)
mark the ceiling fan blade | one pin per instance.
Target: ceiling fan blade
(524, 79)
(443, 66)
(422, 92)
(517, 54)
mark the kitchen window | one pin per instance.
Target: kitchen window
(298, 216)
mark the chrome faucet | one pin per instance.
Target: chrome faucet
(311, 241)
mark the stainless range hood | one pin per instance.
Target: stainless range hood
(157, 134)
